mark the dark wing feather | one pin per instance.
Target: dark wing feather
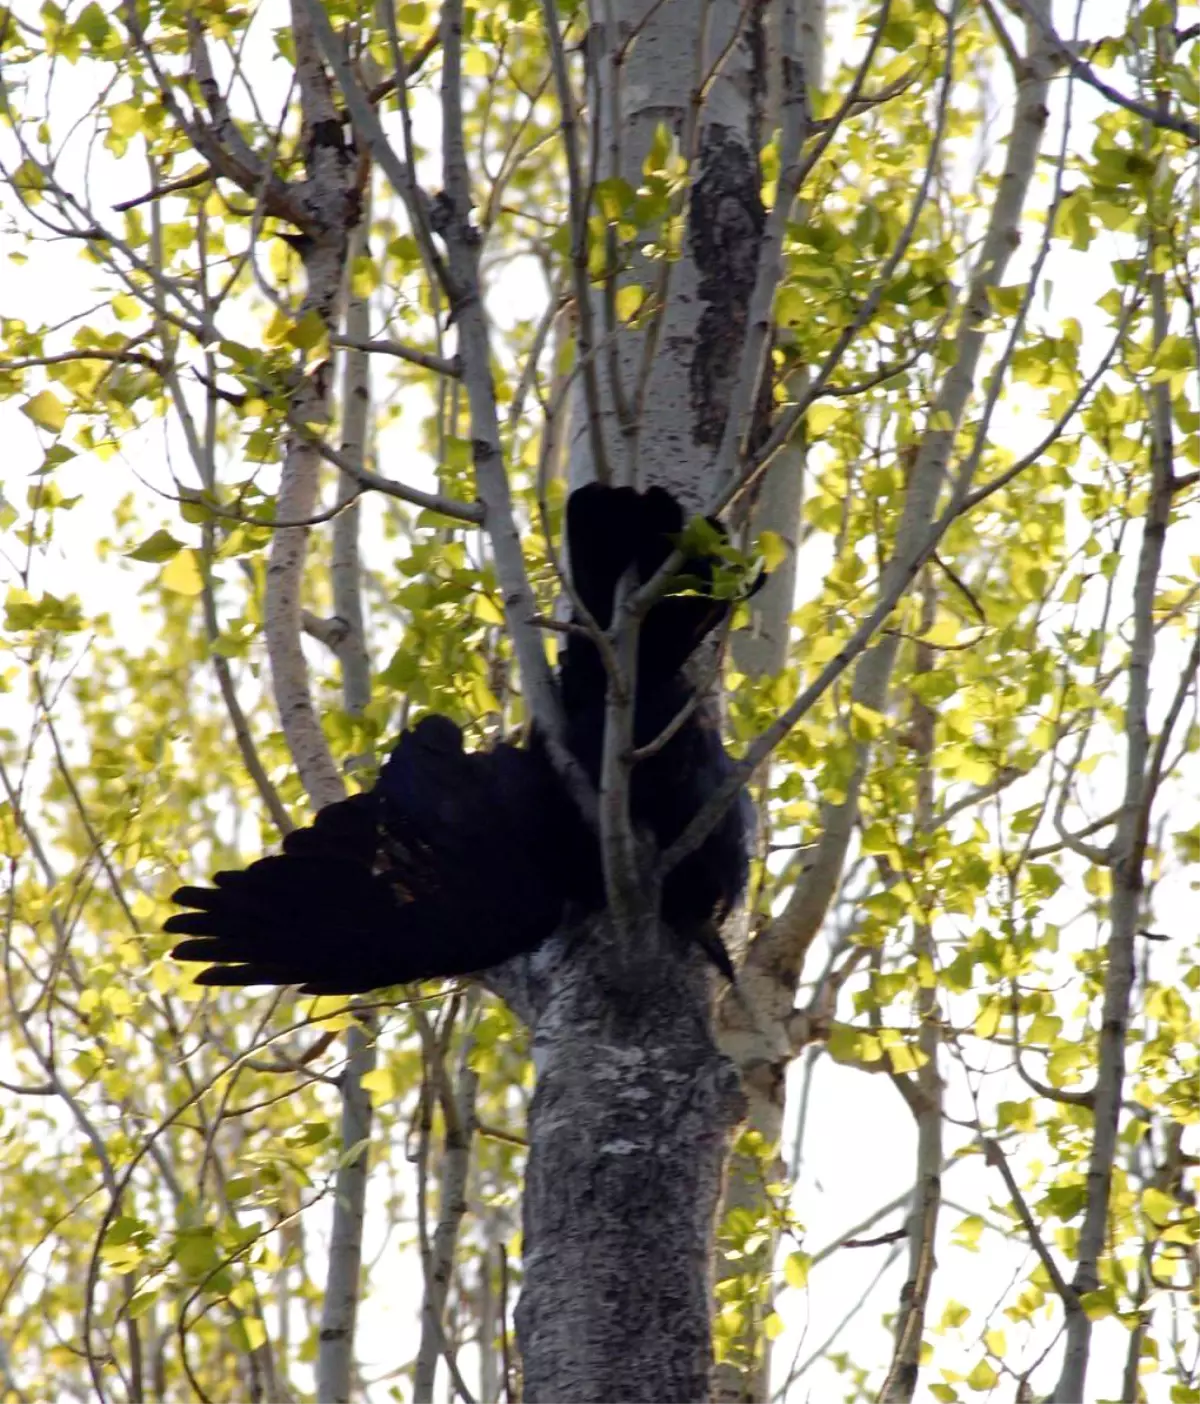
(457, 861)
(296, 920)
(447, 866)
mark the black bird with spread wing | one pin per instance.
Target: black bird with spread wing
(456, 861)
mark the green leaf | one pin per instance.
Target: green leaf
(93, 24)
(820, 417)
(968, 1231)
(1158, 1206)
(248, 1333)
(380, 1085)
(195, 1250)
(772, 548)
(628, 300)
(309, 332)
(987, 1022)
(156, 549)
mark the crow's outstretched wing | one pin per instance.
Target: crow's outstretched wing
(454, 862)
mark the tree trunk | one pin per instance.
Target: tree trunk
(630, 1122)
(627, 1132)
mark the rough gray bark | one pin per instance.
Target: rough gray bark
(629, 1125)
(627, 1138)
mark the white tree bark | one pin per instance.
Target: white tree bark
(331, 203)
(760, 649)
(339, 1308)
(665, 386)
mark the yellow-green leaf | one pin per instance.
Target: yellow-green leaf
(628, 300)
(772, 548)
(156, 549)
(983, 1376)
(182, 575)
(820, 417)
(46, 410)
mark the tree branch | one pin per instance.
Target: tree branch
(994, 1155)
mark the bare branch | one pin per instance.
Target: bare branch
(787, 940)
(173, 187)
(427, 360)
(1004, 777)
(366, 122)
(466, 300)
(994, 1155)
(1128, 849)
(458, 1106)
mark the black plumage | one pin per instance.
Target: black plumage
(439, 870)
(667, 788)
(455, 860)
